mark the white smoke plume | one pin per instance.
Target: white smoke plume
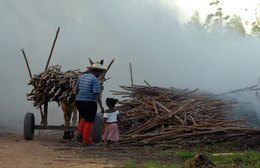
(145, 33)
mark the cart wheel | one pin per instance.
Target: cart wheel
(28, 126)
(97, 130)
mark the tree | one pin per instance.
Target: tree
(256, 24)
(195, 24)
(235, 25)
(221, 24)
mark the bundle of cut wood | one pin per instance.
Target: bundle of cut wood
(171, 115)
(53, 85)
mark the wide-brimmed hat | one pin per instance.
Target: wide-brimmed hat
(96, 66)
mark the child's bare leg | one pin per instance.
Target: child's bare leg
(104, 143)
(108, 143)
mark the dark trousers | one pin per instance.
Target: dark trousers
(87, 110)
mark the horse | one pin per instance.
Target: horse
(70, 114)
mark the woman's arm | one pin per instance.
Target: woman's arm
(99, 101)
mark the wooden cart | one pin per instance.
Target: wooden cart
(30, 126)
(29, 119)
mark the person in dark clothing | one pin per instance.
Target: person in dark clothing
(88, 96)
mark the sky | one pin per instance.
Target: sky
(148, 34)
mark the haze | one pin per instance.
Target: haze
(146, 33)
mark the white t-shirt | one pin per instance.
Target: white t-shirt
(111, 117)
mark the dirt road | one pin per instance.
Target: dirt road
(47, 151)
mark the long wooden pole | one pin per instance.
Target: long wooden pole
(109, 65)
(27, 64)
(132, 81)
(53, 45)
(102, 77)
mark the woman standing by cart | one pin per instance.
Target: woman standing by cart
(88, 96)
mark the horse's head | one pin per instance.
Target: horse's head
(100, 62)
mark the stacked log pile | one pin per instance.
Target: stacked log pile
(160, 115)
(53, 85)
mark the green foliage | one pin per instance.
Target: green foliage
(235, 25)
(215, 20)
(196, 17)
(195, 26)
(215, 2)
(256, 27)
(218, 22)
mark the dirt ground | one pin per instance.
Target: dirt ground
(47, 151)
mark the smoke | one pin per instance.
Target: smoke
(146, 33)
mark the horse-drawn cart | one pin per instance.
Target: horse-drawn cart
(30, 126)
(54, 85)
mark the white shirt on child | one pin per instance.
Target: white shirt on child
(111, 117)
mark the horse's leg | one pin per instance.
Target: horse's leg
(65, 109)
(42, 115)
(71, 132)
(67, 124)
(74, 114)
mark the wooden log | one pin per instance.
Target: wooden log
(27, 64)
(52, 48)
(169, 111)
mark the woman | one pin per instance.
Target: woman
(89, 89)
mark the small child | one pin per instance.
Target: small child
(111, 123)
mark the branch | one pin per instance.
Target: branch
(53, 45)
(27, 64)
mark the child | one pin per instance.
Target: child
(111, 123)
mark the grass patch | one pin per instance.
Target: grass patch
(217, 147)
(226, 159)
(239, 159)
(184, 154)
(181, 158)
(251, 158)
(129, 164)
(151, 164)
(148, 164)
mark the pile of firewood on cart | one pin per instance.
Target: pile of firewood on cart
(53, 85)
(154, 115)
